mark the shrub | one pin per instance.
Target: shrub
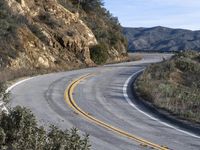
(174, 85)
(99, 53)
(198, 58)
(3, 95)
(187, 54)
(19, 130)
(185, 64)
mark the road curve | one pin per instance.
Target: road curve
(100, 96)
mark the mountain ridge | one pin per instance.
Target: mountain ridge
(161, 39)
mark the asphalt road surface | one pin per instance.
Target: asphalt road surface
(101, 97)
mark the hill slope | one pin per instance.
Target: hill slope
(105, 27)
(162, 39)
(174, 85)
(48, 35)
(42, 34)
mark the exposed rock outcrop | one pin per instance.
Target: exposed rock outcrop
(43, 34)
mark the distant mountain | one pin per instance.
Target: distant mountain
(162, 39)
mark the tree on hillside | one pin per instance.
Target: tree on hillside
(88, 5)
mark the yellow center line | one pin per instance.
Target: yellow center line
(71, 102)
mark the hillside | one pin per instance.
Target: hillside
(47, 35)
(174, 85)
(162, 39)
(105, 27)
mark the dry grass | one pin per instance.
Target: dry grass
(136, 57)
(174, 85)
(11, 74)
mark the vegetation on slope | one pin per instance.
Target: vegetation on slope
(4, 96)
(43, 35)
(105, 27)
(99, 54)
(174, 85)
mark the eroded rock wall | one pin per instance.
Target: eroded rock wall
(47, 36)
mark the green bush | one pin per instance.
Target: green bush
(99, 53)
(19, 130)
(187, 54)
(159, 72)
(4, 96)
(185, 64)
(198, 58)
(91, 5)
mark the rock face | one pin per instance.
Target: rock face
(162, 39)
(42, 34)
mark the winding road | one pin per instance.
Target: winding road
(95, 100)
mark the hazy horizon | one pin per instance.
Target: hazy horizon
(161, 26)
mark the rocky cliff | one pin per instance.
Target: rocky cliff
(162, 39)
(42, 34)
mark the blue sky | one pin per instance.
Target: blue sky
(149, 13)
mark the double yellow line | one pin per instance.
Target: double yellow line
(71, 102)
